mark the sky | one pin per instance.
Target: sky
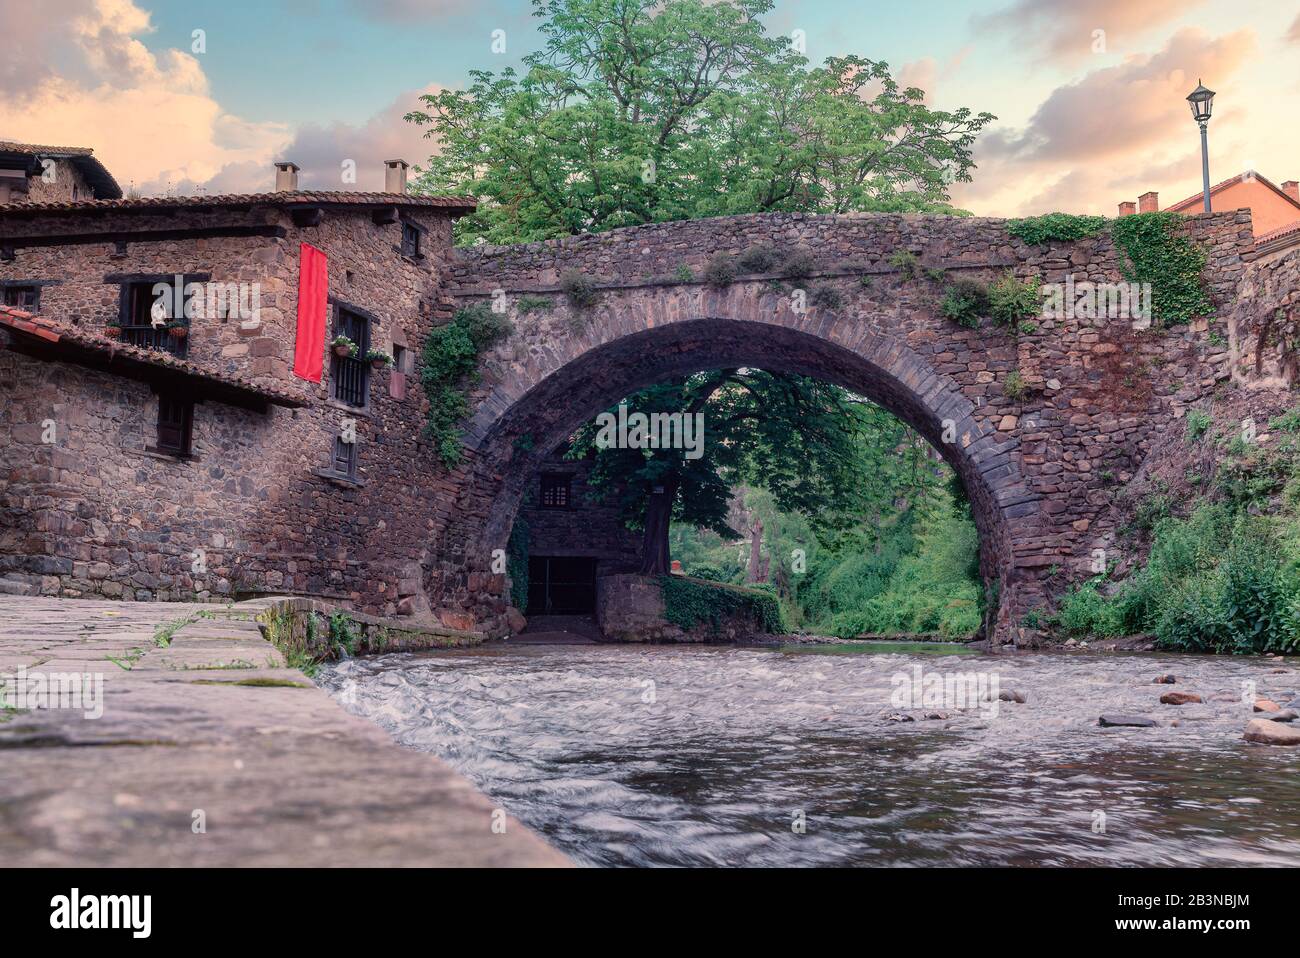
(204, 96)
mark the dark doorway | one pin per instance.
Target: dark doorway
(561, 585)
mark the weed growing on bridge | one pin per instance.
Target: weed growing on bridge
(757, 259)
(532, 304)
(798, 264)
(720, 270)
(1198, 423)
(1012, 300)
(1013, 387)
(580, 289)
(827, 296)
(964, 301)
(905, 262)
(684, 274)
(451, 356)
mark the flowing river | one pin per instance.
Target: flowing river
(679, 755)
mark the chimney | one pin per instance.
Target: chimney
(1292, 189)
(395, 176)
(1128, 209)
(1149, 202)
(286, 177)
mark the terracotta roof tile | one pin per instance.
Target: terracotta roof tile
(464, 204)
(52, 331)
(96, 174)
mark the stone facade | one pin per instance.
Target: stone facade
(588, 527)
(95, 513)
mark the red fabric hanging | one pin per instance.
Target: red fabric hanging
(313, 285)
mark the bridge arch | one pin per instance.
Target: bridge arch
(1042, 460)
(666, 332)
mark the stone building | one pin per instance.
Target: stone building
(155, 442)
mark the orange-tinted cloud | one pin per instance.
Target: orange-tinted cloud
(1091, 139)
(1068, 28)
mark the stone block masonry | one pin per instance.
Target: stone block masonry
(95, 512)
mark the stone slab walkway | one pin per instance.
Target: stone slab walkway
(213, 728)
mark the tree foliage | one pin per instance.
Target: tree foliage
(641, 111)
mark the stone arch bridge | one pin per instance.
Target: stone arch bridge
(1043, 425)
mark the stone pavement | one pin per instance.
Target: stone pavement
(213, 728)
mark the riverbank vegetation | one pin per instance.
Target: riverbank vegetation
(1224, 576)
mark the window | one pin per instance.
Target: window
(23, 297)
(401, 359)
(410, 240)
(141, 306)
(350, 375)
(345, 458)
(175, 424)
(555, 492)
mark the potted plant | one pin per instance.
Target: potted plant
(343, 347)
(378, 359)
(112, 330)
(179, 330)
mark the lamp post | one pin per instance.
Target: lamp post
(1202, 101)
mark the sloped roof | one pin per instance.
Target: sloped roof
(454, 204)
(85, 347)
(1197, 197)
(95, 173)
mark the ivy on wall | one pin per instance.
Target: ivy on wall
(1159, 253)
(451, 356)
(1059, 227)
(517, 563)
(689, 603)
(1155, 249)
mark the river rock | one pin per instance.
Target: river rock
(1009, 695)
(1271, 733)
(899, 717)
(1164, 680)
(1286, 715)
(1126, 721)
(936, 715)
(1267, 705)
(1179, 698)
(515, 620)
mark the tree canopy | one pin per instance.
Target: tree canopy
(817, 449)
(642, 111)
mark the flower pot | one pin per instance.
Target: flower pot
(378, 364)
(180, 332)
(343, 352)
(112, 332)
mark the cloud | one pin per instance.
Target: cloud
(1293, 34)
(408, 11)
(149, 116)
(1128, 117)
(322, 150)
(929, 75)
(1066, 28)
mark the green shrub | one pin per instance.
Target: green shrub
(720, 270)
(905, 262)
(757, 259)
(580, 289)
(1012, 300)
(826, 296)
(965, 301)
(1198, 423)
(1013, 386)
(1289, 421)
(684, 274)
(532, 304)
(1085, 611)
(798, 264)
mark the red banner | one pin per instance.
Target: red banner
(313, 287)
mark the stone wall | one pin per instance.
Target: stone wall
(1042, 468)
(589, 527)
(1264, 332)
(631, 608)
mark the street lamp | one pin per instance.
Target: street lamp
(1202, 101)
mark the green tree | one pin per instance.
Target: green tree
(815, 448)
(641, 111)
